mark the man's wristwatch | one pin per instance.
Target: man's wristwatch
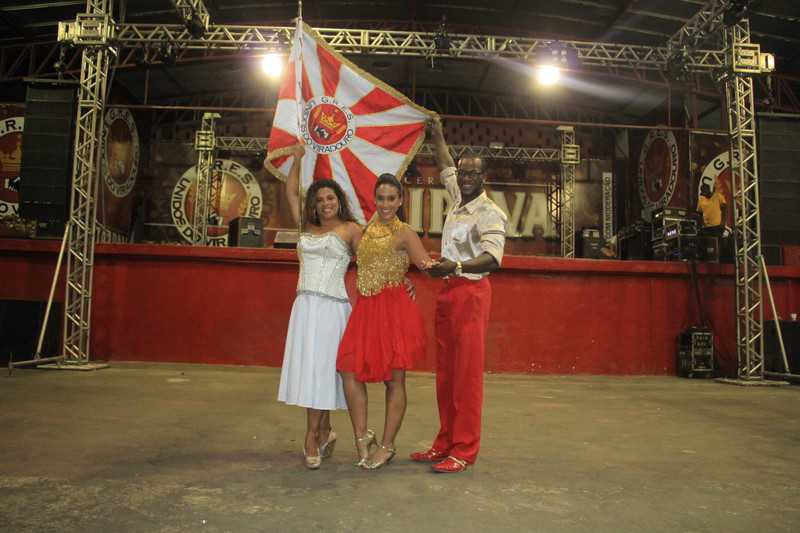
(458, 270)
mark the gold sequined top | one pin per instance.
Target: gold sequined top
(379, 264)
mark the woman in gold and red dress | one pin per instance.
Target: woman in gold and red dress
(386, 333)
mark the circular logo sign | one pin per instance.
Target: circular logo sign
(717, 175)
(658, 170)
(239, 195)
(120, 152)
(327, 126)
(10, 159)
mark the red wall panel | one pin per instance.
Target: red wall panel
(223, 305)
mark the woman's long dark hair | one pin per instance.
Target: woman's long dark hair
(310, 215)
(389, 179)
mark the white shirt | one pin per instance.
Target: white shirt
(472, 229)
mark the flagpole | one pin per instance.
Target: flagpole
(299, 111)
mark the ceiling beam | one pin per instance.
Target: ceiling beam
(621, 13)
(42, 5)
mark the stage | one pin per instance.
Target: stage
(161, 303)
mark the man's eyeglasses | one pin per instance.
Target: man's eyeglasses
(472, 173)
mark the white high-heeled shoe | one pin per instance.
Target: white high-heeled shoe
(313, 462)
(326, 449)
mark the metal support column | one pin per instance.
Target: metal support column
(92, 31)
(553, 195)
(570, 158)
(204, 143)
(744, 61)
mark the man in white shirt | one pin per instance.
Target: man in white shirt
(472, 246)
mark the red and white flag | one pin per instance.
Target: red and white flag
(354, 126)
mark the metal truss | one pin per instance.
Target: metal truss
(249, 145)
(570, 157)
(206, 192)
(704, 26)
(36, 59)
(411, 43)
(90, 32)
(747, 226)
(517, 153)
(192, 10)
(553, 196)
(716, 21)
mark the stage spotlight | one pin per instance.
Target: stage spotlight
(195, 26)
(766, 62)
(167, 53)
(61, 64)
(441, 41)
(272, 65)
(551, 60)
(678, 64)
(140, 57)
(547, 75)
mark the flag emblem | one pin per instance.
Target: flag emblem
(327, 126)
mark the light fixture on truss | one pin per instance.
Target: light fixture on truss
(195, 25)
(551, 60)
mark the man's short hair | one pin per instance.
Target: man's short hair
(483, 163)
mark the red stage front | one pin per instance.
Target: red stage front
(549, 315)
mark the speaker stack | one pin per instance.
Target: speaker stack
(246, 232)
(46, 167)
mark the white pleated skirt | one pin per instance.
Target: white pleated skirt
(308, 374)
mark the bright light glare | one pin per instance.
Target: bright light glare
(272, 65)
(547, 74)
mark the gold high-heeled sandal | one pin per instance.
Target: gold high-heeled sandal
(369, 440)
(326, 449)
(386, 461)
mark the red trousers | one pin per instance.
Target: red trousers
(462, 316)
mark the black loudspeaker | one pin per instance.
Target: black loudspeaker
(634, 241)
(778, 178)
(790, 331)
(20, 322)
(246, 231)
(773, 254)
(590, 243)
(46, 166)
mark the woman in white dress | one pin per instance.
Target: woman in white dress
(329, 235)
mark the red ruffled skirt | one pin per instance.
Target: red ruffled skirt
(385, 331)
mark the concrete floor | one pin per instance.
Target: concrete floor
(163, 448)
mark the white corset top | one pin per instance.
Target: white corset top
(323, 263)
